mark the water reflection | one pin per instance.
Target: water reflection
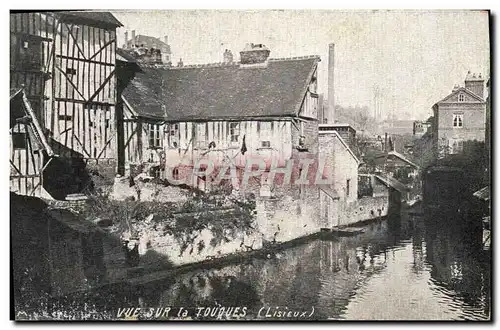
(400, 268)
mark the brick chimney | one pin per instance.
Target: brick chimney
(133, 37)
(228, 56)
(165, 39)
(126, 39)
(254, 53)
(475, 83)
(330, 110)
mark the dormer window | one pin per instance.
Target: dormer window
(461, 97)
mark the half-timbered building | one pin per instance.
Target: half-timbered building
(30, 151)
(227, 112)
(65, 61)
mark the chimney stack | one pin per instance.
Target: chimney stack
(475, 84)
(329, 116)
(228, 56)
(165, 39)
(133, 37)
(254, 53)
(126, 39)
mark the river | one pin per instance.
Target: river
(399, 269)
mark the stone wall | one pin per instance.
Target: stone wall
(365, 208)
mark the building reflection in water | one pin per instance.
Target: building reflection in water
(330, 274)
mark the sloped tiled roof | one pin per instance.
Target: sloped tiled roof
(391, 182)
(402, 158)
(96, 17)
(222, 91)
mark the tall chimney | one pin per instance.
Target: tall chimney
(329, 117)
(385, 142)
(126, 39)
(133, 37)
(165, 39)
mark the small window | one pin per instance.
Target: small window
(173, 135)
(19, 140)
(175, 173)
(154, 136)
(201, 135)
(155, 172)
(234, 131)
(461, 98)
(348, 187)
(65, 117)
(458, 120)
(29, 53)
(265, 144)
(70, 71)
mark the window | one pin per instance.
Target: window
(175, 173)
(155, 172)
(348, 187)
(456, 146)
(154, 136)
(461, 97)
(234, 131)
(265, 144)
(173, 135)
(19, 140)
(458, 120)
(201, 135)
(65, 117)
(70, 71)
(266, 134)
(30, 52)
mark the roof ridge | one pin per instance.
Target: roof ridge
(305, 57)
(223, 64)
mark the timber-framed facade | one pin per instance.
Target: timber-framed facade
(65, 63)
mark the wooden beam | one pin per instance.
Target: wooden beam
(102, 85)
(69, 80)
(27, 176)
(102, 48)
(74, 40)
(62, 99)
(83, 147)
(103, 148)
(15, 167)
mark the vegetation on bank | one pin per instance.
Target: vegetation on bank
(225, 216)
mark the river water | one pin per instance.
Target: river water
(398, 269)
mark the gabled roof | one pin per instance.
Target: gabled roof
(457, 91)
(346, 146)
(222, 91)
(402, 158)
(393, 183)
(330, 191)
(124, 56)
(97, 18)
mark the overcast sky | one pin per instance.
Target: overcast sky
(414, 57)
